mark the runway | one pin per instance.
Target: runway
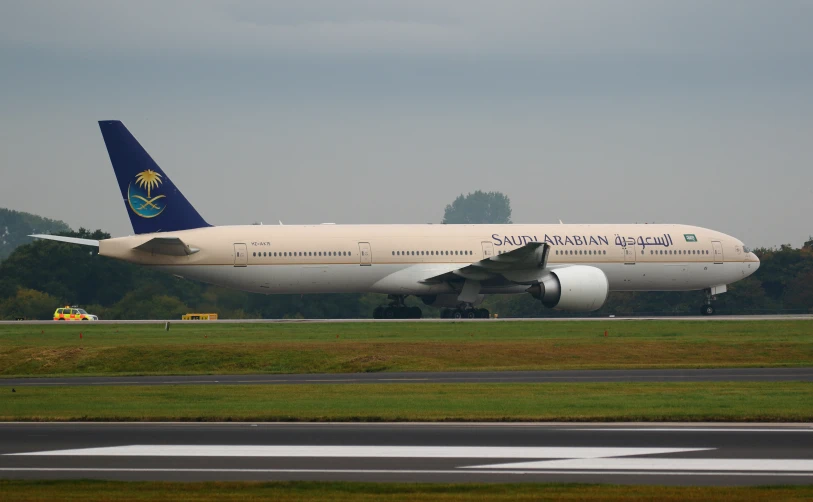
(672, 454)
(563, 376)
(784, 317)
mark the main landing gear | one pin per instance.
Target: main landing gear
(708, 308)
(464, 313)
(397, 310)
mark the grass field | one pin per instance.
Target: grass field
(85, 490)
(58, 350)
(695, 401)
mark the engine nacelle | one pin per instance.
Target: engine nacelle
(578, 288)
(447, 300)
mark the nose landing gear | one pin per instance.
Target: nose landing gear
(708, 308)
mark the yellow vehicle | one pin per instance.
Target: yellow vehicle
(67, 313)
(199, 317)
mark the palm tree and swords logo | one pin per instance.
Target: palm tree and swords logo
(139, 194)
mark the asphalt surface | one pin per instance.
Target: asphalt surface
(685, 375)
(672, 454)
(790, 317)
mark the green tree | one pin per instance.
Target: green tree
(16, 226)
(479, 207)
(29, 304)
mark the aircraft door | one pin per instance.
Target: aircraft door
(240, 255)
(488, 249)
(629, 254)
(718, 251)
(365, 254)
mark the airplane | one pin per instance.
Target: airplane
(570, 267)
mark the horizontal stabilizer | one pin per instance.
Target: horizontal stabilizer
(69, 240)
(170, 246)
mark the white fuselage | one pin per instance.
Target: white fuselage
(396, 259)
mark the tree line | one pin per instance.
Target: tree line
(37, 277)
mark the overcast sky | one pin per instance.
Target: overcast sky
(689, 111)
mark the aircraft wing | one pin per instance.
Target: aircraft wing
(171, 246)
(523, 265)
(69, 240)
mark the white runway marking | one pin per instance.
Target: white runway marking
(687, 429)
(664, 464)
(386, 471)
(536, 452)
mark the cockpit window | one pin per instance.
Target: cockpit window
(746, 249)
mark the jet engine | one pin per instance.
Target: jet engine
(447, 300)
(578, 288)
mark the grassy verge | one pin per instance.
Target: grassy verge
(85, 490)
(696, 401)
(58, 350)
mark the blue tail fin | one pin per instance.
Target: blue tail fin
(153, 202)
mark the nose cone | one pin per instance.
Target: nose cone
(751, 264)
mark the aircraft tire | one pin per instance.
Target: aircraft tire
(483, 314)
(471, 314)
(389, 313)
(707, 310)
(415, 313)
(402, 312)
(457, 314)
